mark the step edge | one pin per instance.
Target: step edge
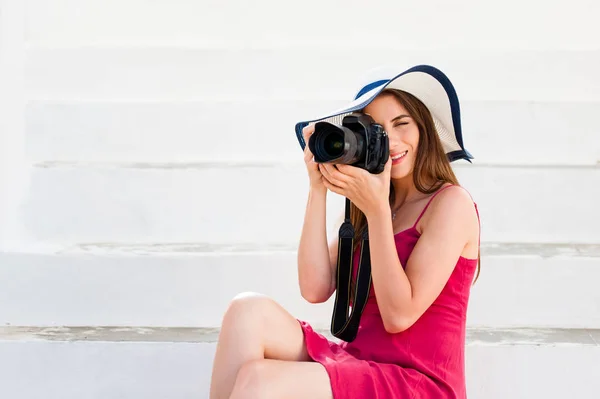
(272, 163)
(475, 335)
(206, 249)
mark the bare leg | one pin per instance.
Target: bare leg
(254, 328)
(277, 379)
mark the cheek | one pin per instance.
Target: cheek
(407, 135)
(414, 137)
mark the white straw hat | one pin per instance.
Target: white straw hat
(428, 84)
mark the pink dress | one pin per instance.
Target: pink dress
(425, 361)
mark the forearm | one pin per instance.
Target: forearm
(314, 271)
(392, 287)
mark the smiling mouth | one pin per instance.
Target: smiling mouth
(402, 154)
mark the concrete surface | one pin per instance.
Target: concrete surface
(176, 363)
(161, 288)
(128, 127)
(81, 203)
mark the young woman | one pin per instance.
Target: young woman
(424, 249)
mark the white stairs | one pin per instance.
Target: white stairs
(149, 173)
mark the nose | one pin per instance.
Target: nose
(393, 140)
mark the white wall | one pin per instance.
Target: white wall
(135, 111)
(132, 127)
(129, 129)
(13, 164)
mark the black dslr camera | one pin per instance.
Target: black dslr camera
(359, 141)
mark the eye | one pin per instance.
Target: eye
(400, 124)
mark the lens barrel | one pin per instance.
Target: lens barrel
(336, 144)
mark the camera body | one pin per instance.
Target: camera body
(358, 141)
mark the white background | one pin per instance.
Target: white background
(149, 169)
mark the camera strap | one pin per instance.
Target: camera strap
(346, 317)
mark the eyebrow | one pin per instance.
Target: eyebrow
(400, 117)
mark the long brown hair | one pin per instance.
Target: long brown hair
(431, 165)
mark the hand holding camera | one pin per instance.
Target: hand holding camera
(314, 174)
(353, 160)
(369, 192)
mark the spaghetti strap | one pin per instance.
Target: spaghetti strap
(429, 202)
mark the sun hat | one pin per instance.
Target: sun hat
(427, 83)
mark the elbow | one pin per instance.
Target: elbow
(315, 291)
(314, 299)
(397, 324)
(313, 296)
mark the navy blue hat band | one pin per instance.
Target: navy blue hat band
(370, 87)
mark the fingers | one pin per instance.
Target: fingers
(306, 133)
(308, 156)
(333, 175)
(352, 171)
(388, 164)
(308, 130)
(333, 188)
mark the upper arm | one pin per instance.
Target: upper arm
(333, 254)
(451, 224)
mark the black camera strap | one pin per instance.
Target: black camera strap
(346, 318)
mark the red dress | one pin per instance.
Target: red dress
(425, 361)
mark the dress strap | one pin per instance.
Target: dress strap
(429, 202)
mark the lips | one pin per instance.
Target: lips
(399, 155)
(397, 158)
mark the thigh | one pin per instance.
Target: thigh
(280, 332)
(278, 379)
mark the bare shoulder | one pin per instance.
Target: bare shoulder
(455, 198)
(454, 206)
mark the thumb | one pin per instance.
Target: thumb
(388, 164)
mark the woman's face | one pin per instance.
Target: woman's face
(402, 131)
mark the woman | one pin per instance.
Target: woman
(424, 245)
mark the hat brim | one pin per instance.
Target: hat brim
(432, 87)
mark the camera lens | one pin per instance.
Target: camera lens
(358, 141)
(337, 144)
(333, 144)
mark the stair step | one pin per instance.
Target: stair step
(159, 363)
(113, 72)
(188, 23)
(113, 131)
(190, 285)
(475, 335)
(138, 204)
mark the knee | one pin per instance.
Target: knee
(248, 297)
(251, 381)
(248, 302)
(246, 306)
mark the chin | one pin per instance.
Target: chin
(399, 175)
(400, 172)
